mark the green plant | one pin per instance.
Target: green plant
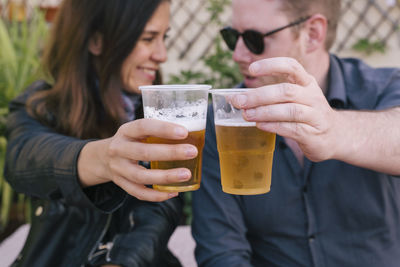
(216, 8)
(366, 46)
(20, 47)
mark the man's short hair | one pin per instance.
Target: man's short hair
(329, 8)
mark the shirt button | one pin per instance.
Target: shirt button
(39, 211)
(311, 238)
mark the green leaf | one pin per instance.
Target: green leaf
(20, 52)
(368, 47)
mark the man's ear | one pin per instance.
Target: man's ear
(317, 27)
(96, 44)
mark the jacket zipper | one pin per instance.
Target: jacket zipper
(91, 254)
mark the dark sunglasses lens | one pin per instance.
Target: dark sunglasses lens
(230, 37)
(254, 41)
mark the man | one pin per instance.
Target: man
(335, 193)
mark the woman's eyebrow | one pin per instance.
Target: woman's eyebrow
(151, 32)
(154, 32)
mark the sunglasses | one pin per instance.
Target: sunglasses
(253, 40)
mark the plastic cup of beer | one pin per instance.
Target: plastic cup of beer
(185, 105)
(245, 152)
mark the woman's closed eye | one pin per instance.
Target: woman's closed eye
(149, 36)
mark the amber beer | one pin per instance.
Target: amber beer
(245, 155)
(186, 105)
(195, 138)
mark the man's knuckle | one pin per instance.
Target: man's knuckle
(293, 112)
(288, 91)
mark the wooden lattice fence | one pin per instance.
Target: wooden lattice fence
(193, 34)
(376, 21)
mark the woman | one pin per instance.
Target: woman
(75, 145)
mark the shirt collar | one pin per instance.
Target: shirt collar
(336, 94)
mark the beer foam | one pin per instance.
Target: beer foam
(192, 126)
(234, 123)
(192, 116)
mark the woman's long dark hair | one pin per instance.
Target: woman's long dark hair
(79, 108)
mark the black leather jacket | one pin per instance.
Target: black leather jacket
(72, 226)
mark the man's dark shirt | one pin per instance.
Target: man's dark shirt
(325, 214)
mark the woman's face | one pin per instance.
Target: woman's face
(140, 67)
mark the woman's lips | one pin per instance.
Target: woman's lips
(150, 73)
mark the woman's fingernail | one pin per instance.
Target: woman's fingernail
(191, 151)
(173, 195)
(250, 113)
(241, 100)
(179, 131)
(183, 175)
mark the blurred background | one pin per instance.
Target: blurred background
(368, 29)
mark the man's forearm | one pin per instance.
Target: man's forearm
(370, 139)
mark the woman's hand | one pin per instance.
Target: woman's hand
(116, 159)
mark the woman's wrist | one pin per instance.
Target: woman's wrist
(92, 163)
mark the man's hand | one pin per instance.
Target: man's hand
(299, 110)
(296, 109)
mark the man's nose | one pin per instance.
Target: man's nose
(241, 52)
